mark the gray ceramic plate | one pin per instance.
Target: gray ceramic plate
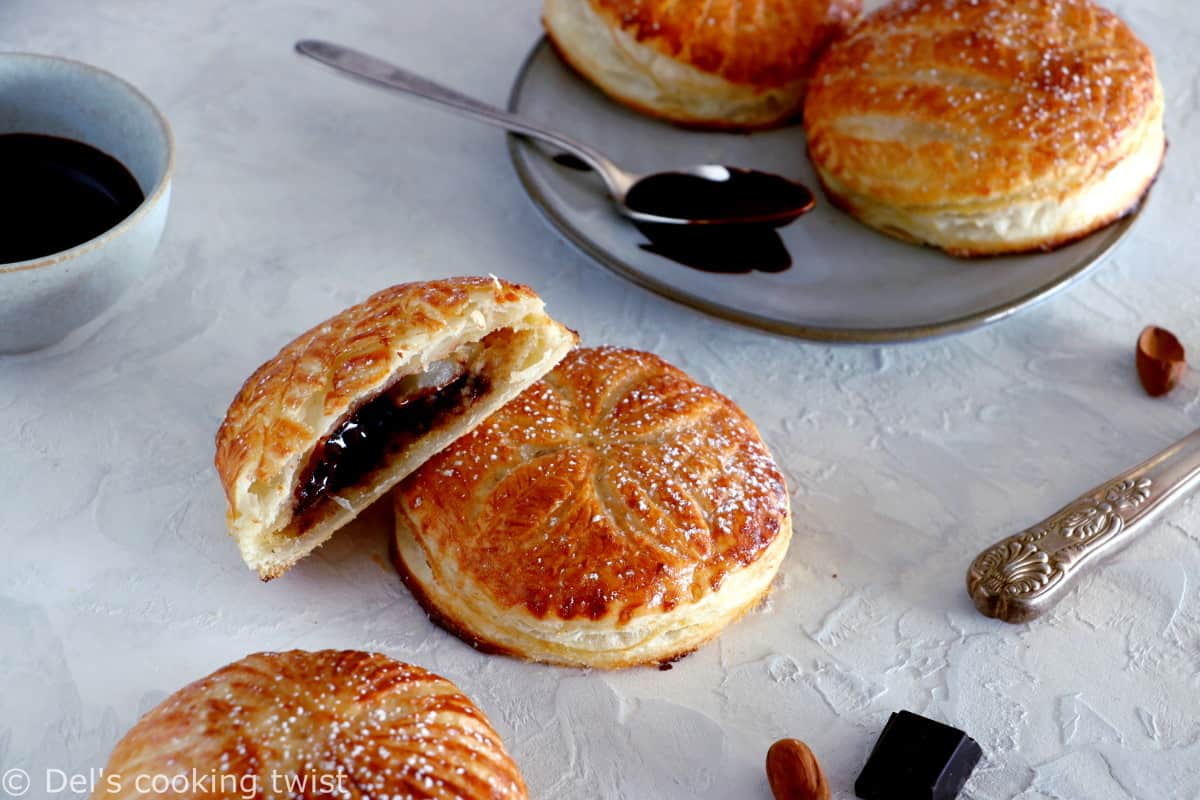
(847, 282)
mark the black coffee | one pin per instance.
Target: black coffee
(58, 193)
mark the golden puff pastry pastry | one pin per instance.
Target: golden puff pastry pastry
(987, 126)
(349, 408)
(616, 513)
(707, 63)
(313, 725)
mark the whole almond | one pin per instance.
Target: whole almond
(793, 772)
(1160, 360)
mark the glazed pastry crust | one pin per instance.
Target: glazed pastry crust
(987, 126)
(719, 64)
(616, 513)
(290, 404)
(359, 722)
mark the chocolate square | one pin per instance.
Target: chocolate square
(917, 759)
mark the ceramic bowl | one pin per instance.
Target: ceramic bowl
(44, 299)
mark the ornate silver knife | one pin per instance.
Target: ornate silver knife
(1020, 577)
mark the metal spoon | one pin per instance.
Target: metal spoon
(707, 194)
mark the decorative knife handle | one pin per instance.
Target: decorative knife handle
(1020, 577)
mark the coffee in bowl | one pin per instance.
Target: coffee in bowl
(87, 162)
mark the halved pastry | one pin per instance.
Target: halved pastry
(349, 408)
(706, 63)
(616, 513)
(987, 126)
(329, 724)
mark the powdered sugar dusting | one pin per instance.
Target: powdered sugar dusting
(615, 483)
(337, 724)
(979, 97)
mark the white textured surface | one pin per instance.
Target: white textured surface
(298, 193)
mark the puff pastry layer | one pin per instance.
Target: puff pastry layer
(326, 724)
(349, 408)
(705, 63)
(987, 126)
(615, 513)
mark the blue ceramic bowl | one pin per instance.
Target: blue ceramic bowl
(44, 299)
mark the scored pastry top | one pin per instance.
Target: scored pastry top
(929, 102)
(347, 723)
(764, 43)
(615, 484)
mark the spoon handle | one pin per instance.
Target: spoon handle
(1018, 578)
(380, 73)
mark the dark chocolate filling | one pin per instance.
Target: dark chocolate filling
(381, 427)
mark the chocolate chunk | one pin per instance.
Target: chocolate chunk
(383, 425)
(917, 759)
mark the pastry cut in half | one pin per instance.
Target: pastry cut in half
(349, 408)
(616, 513)
(987, 126)
(326, 724)
(732, 64)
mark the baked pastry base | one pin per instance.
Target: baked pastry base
(699, 65)
(686, 629)
(789, 111)
(1044, 226)
(987, 127)
(616, 513)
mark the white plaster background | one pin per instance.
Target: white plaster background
(298, 193)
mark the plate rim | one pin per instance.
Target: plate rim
(519, 149)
